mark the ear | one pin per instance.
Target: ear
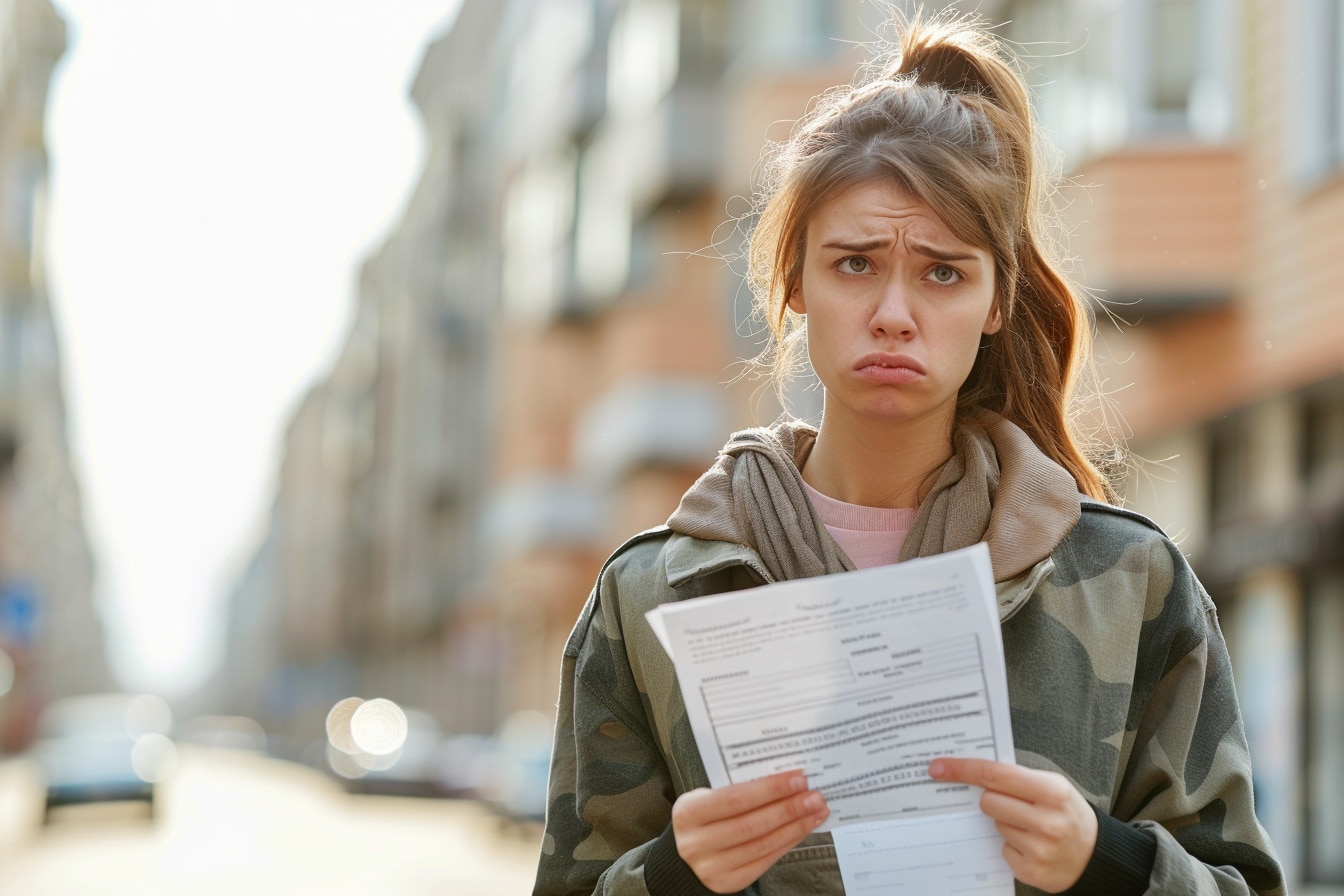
(795, 300)
(994, 322)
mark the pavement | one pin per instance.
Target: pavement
(233, 823)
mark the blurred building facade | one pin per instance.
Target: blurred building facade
(547, 350)
(51, 637)
(368, 581)
(1205, 143)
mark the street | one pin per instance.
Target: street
(240, 823)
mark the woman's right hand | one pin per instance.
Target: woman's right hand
(731, 835)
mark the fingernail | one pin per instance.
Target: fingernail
(813, 802)
(937, 769)
(797, 783)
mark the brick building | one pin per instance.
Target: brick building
(583, 203)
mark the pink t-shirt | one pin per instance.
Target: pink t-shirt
(871, 536)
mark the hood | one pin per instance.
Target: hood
(997, 487)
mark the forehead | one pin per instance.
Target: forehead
(880, 207)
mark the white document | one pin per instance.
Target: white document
(941, 853)
(859, 679)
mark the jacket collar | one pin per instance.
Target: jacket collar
(686, 558)
(1015, 592)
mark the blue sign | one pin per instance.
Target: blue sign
(18, 612)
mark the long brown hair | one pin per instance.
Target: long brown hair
(944, 112)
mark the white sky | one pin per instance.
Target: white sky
(219, 170)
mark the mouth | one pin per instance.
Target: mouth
(883, 361)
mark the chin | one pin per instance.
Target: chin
(888, 414)
(907, 413)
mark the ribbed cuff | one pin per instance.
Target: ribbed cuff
(1122, 862)
(666, 872)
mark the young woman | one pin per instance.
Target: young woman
(903, 239)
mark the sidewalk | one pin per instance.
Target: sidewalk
(245, 824)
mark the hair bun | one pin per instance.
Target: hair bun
(931, 61)
(952, 53)
(955, 52)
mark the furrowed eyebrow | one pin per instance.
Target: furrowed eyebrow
(939, 254)
(922, 248)
(858, 245)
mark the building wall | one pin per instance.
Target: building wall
(554, 335)
(1219, 249)
(372, 557)
(49, 627)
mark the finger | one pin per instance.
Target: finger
(740, 864)
(1024, 783)
(705, 806)
(1045, 821)
(758, 826)
(1010, 810)
(1021, 866)
(779, 843)
(1051, 852)
(780, 839)
(1038, 864)
(1020, 839)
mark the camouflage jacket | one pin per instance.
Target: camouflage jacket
(1136, 707)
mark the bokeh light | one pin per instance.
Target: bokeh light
(148, 714)
(154, 757)
(338, 724)
(365, 736)
(379, 727)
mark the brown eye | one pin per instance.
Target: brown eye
(945, 274)
(854, 264)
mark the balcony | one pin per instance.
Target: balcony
(1161, 231)
(540, 512)
(655, 423)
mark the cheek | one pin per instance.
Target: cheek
(964, 346)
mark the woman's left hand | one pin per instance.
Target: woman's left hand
(1049, 830)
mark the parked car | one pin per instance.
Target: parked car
(517, 766)
(103, 748)
(225, 732)
(465, 764)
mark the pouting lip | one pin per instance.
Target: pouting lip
(883, 359)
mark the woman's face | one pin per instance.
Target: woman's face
(896, 306)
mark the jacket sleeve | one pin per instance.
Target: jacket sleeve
(609, 802)
(609, 791)
(1188, 781)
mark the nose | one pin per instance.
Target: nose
(892, 317)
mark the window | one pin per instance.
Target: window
(550, 48)
(704, 40)
(1174, 67)
(643, 56)
(1229, 472)
(1322, 458)
(1109, 73)
(1317, 141)
(604, 226)
(787, 32)
(22, 188)
(1324, 679)
(537, 226)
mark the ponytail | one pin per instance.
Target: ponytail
(944, 112)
